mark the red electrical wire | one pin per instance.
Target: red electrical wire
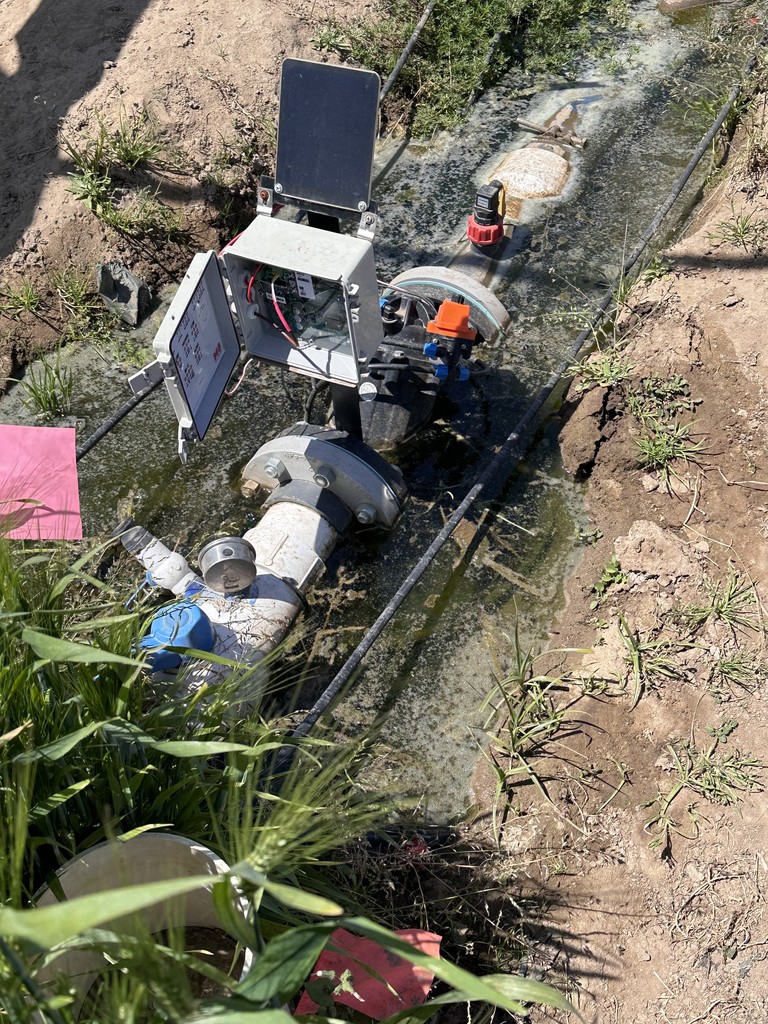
(283, 321)
(250, 282)
(230, 242)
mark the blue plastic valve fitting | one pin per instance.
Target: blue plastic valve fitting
(181, 624)
(430, 349)
(442, 371)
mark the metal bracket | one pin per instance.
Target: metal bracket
(265, 197)
(368, 221)
(186, 434)
(144, 378)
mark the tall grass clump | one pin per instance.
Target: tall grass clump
(91, 750)
(464, 48)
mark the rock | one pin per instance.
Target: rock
(673, 6)
(533, 172)
(649, 549)
(579, 443)
(649, 483)
(123, 292)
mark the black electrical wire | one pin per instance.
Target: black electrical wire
(314, 391)
(513, 444)
(408, 49)
(113, 420)
(392, 341)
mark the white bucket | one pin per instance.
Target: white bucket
(151, 857)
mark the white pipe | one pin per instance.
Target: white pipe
(291, 543)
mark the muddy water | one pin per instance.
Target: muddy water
(431, 671)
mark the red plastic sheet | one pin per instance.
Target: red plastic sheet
(39, 497)
(411, 984)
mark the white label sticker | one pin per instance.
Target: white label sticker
(304, 285)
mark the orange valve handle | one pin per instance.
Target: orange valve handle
(452, 321)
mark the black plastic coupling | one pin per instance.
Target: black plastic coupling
(320, 499)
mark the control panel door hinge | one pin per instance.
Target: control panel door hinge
(144, 378)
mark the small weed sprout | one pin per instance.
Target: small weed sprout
(705, 109)
(650, 660)
(87, 317)
(660, 398)
(666, 443)
(14, 302)
(144, 216)
(137, 213)
(91, 152)
(604, 369)
(720, 780)
(332, 39)
(94, 189)
(733, 674)
(529, 719)
(756, 156)
(658, 268)
(746, 230)
(135, 141)
(617, 12)
(47, 388)
(612, 574)
(729, 602)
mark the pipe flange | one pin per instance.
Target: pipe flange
(349, 470)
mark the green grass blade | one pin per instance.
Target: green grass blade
(281, 969)
(46, 927)
(51, 648)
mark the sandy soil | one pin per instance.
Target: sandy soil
(650, 921)
(207, 72)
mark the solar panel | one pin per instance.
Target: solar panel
(326, 133)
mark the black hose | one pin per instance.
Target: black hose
(407, 50)
(314, 391)
(113, 420)
(512, 445)
(416, 367)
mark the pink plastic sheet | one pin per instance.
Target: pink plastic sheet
(39, 497)
(411, 984)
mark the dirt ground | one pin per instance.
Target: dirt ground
(208, 75)
(653, 850)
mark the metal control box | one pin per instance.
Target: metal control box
(305, 298)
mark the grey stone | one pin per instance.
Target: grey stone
(123, 292)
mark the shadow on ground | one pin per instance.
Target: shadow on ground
(62, 48)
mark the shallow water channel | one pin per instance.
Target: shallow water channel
(430, 672)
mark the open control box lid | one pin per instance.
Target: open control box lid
(197, 348)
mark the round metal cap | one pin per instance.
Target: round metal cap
(228, 564)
